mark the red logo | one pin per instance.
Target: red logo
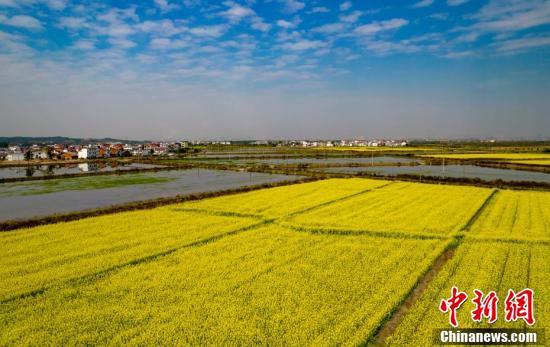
(452, 304)
(518, 305)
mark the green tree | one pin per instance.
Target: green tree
(49, 152)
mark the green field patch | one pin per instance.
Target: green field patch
(80, 183)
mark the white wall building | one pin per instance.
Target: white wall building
(14, 156)
(88, 153)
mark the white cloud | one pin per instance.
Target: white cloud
(345, 6)
(351, 17)
(55, 4)
(22, 21)
(8, 3)
(166, 44)
(439, 16)
(164, 27)
(259, 24)
(456, 2)
(165, 6)
(285, 24)
(458, 55)
(468, 37)
(330, 28)
(72, 22)
(511, 15)
(118, 30)
(209, 30)
(303, 45)
(52, 4)
(286, 59)
(147, 58)
(236, 12)
(423, 3)
(291, 6)
(522, 44)
(84, 44)
(376, 27)
(122, 43)
(319, 9)
(13, 43)
(382, 47)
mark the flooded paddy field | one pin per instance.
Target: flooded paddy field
(454, 171)
(24, 200)
(323, 160)
(67, 169)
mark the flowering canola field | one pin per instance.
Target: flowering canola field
(322, 263)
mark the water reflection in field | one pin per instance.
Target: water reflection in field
(456, 171)
(182, 182)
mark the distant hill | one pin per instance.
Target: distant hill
(24, 140)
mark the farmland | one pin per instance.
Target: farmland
(502, 156)
(319, 263)
(379, 149)
(486, 266)
(532, 162)
(81, 183)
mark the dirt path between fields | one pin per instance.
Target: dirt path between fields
(389, 327)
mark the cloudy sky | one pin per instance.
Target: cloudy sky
(197, 69)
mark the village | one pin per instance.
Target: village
(17, 152)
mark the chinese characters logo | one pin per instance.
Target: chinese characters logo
(517, 305)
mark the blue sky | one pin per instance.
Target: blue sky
(275, 68)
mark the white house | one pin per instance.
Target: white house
(13, 156)
(88, 153)
(39, 154)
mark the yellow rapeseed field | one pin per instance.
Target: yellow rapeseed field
(321, 263)
(265, 286)
(40, 257)
(280, 201)
(486, 266)
(515, 214)
(400, 207)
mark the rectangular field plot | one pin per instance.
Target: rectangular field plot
(280, 201)
(268, 286)
(36, 258)
(510, 156)
(486, 266)
(515, 214)
(400, 207)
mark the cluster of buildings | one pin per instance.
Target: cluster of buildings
(349, 143)
(90, 151)
(109, 150)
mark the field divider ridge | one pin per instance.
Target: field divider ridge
(330, 202)
(387, 328)
(393, 318)
(12, 225)
(219, 213)
(468, 225)
(359, 232)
